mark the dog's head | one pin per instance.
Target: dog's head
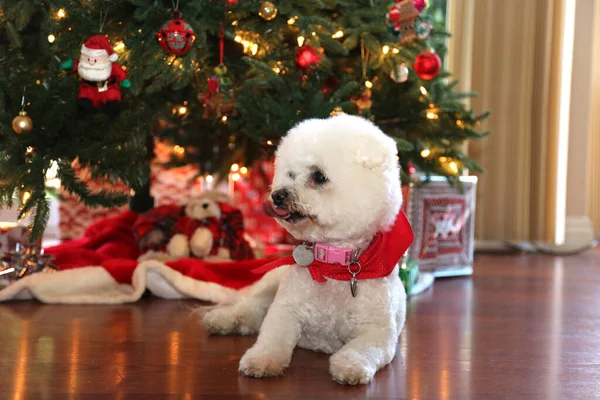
(336, 181)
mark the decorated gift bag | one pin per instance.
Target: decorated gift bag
(443, 220)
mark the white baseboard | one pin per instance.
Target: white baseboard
(490, 245)
(579, 237)
(578, 231)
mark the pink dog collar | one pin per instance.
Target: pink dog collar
(332, 255)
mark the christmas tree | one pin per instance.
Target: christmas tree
(222, 80)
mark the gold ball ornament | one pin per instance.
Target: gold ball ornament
(22, 123)
(267, 10)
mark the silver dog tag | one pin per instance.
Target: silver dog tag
(354, 268)
(353, 286)
(303, 255)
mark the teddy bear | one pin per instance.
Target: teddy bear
(207, 227)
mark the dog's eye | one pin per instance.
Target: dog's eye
(319, 178)
(291, 175)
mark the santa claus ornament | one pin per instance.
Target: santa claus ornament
(101, 77)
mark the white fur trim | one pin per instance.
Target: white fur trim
(113, 57)
(93, 285)
(94, 52)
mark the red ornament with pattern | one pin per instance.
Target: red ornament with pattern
(176, 36)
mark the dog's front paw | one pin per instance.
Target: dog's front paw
(260, 363)
(220, 321)
(225, 320)
(350, 368)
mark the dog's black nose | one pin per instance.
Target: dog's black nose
(280, 197)
(205, 206)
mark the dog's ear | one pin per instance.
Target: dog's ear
(377, 155)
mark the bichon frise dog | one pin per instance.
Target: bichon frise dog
(337, 188)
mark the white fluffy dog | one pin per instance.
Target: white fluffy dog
(336, 187)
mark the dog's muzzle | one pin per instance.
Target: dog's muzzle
(280, 197)
(282, 206)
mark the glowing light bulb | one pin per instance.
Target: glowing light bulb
(425, 153)
(224, 118)
(423, 91)
(178, 149)
(453, 166)
(61, 13)
(235, 167)
(236, 177)
(29, 150)
(51, 38)
(385, 49)
(237, 39)
(395, 51)
(26, 196)
(244, 170)
(432, 115)
(182, 110)
(119, 46)
(38, 82)
(292, 20)
(270, 142)
(460, 123)
(338, 34)
(209, 179)
(234, 23)
(314, 33)
(301, 41)
(369, 84)
(254, 49)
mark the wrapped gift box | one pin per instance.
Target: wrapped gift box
(443, 222)
(168, 186)
(175, 186)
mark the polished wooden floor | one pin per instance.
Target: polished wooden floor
(523, 327)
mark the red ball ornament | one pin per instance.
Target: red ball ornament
(420, 5)
(307, 56)
(176, 36)
(427, 65)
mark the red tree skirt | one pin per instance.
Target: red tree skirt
(102, 267)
